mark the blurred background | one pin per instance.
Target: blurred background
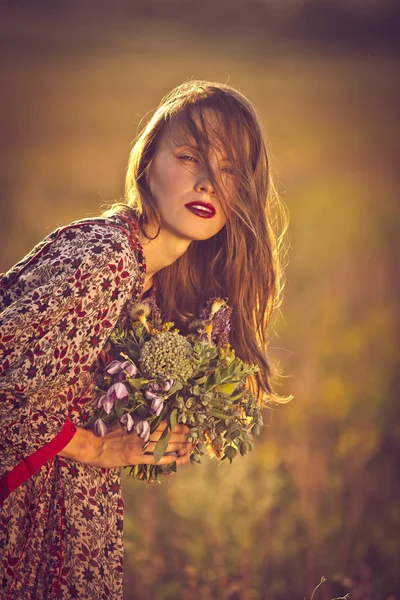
(319, 495)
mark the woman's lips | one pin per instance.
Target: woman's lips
(201, 209)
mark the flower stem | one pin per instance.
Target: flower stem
(323, 580)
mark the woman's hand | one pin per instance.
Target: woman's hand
(128, 448)
(119, 448)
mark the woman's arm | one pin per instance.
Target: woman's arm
(57, 309)
(118, 448)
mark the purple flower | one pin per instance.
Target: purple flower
(116, 366)
(168, 385)
(143, 430)
(127, 422)
(221, 320)
(130, 368)
(157, 403)
(100, 428)
(100, 401)
(108, 404)
(155, 311)
(162, 387)
(156, 406)
(159, 387)
(117, 391)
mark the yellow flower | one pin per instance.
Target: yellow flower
(143, 320)
(153, 331)
(137, 308)
(217, 304)
(208, 329)
(208, 326)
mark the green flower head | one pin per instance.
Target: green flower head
(167, 355)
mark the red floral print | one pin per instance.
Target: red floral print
(60, 520)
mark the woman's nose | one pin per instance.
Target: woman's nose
(204, 185)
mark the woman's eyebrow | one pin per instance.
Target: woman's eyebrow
(185, 146)
(195, 148)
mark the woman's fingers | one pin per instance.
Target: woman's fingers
(173, 438)
(178, 438)
(182, 460)
(180, 447)
(167, 459)
(180, 429)
(148, 459)
(177, 450)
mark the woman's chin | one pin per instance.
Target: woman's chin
(191, 233)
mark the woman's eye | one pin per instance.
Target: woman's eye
(228, 170)
(187, 157)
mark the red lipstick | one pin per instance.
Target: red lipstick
(201, 209)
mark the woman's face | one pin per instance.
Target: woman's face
(179, 181)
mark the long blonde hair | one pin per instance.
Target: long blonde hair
(244, 260)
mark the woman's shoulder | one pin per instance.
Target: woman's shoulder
(90, 240)
(109, 229)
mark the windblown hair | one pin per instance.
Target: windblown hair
(243, 262)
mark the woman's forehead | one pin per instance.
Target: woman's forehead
(207, 130)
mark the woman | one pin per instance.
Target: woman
(197, 222)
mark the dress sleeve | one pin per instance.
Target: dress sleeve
(58, 312)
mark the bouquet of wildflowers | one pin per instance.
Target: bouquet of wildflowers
(153, 373)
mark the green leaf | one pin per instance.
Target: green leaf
(133, 349)
(176, 386)
(142, 412)
(107, 418)
(137, 383)
(172, 419)
(157, 420)
(230, 452)
(162, 444)
(119, 406)
(210, 382)
(237, 396)
(231, 368)
(232, 426)
(227, 388)
(243, 448)
(218, 414)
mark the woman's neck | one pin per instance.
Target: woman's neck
(161, 251)
(148, 284)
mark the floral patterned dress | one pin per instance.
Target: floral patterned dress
(61, 520)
